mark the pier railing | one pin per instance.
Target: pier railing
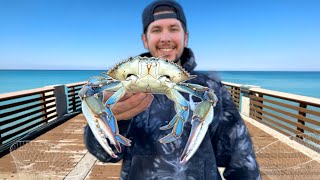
(22, 112)
(289, 114)
(74, 101)
(234, 90)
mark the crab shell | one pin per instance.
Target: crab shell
(148, 71)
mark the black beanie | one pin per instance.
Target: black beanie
(148, 13)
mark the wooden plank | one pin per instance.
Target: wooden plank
(72, 95)
(237, 104)
(26, 122)
(24, 93)
(296, 124)
(236, 100)
(231, 84)
(76, 84)
(287, 96)
(26, 129)
(74, 90)
(16, 111)
(68, 135)
(287, 113)
(264, 118)
(316, 113)
(267, 124)
(24, 115)
(74, 110)
(295, 131)
(74, 102)
(2, 107)
(303, 114)
(235, 95)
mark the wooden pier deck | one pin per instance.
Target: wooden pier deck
(79, 164)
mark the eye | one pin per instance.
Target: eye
(155, 31)
(167, 76)
(174, 30)
(128, 75)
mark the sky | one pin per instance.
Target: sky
(241, 35)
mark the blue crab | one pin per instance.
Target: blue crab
(148, 75)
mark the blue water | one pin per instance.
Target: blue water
(303, 83)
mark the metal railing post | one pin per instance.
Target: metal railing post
(61, 100)
(303, 114)
(245, 99)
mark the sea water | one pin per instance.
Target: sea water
(302, 83)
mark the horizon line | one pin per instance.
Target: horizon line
(195, 70)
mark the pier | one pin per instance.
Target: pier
(44, 128)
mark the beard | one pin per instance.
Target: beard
(177, 61)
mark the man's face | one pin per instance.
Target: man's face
(165, 38)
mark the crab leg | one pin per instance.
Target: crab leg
(100, 118)
(182, 108)
(202, 118)
(112, 119)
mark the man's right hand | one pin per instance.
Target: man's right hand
(129, 105)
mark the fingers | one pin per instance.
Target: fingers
(107, 95)
(130, 104)
(135, 109)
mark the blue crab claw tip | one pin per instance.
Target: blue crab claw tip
(118, 147)
(113, 155)
(123, 140)
(167, 139)
(165, 127)
(183, 161)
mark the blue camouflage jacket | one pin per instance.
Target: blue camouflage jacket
(226, 144)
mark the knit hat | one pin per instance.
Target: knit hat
(163, 5)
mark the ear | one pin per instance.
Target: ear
(144, 40)
(186, 38)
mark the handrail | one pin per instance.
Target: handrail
(72, 96)
(22, 112)
(234, 91)
(231, 84)
(23, 93)
(289, 114)
(288, 96)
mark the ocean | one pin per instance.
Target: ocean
(302, 83)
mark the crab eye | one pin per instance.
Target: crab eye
(167, 76)
(128, 75)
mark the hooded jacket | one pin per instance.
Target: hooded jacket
(226, 144)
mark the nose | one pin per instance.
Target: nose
(165, 37)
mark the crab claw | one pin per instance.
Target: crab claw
(203, 116)
(103, 125)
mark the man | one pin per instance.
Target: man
(227, 142)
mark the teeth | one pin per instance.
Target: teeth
(166, 50)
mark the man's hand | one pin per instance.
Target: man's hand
(129, 105)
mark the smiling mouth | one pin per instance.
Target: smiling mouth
(166, 49)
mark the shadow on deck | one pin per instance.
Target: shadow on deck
(66, 141)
